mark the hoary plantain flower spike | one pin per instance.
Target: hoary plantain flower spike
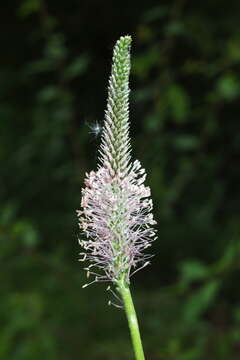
(116, 207)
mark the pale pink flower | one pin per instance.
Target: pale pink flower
(115, 213)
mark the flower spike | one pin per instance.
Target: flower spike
(115, 213)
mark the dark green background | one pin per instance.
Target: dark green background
(54, 66)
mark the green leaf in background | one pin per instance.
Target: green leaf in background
(192, 271)
(28, 7)
(144, 63)
(26, 233)
(228, 87)
(179, 103)
(200, 301)
(77, 67)
(186, 142)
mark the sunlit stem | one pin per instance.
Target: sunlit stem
(132, 320)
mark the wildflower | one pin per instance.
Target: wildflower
(116, 207)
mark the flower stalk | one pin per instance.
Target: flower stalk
(132, 321)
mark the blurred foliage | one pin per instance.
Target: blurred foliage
(185, 129)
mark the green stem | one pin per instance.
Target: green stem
(132, 321)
